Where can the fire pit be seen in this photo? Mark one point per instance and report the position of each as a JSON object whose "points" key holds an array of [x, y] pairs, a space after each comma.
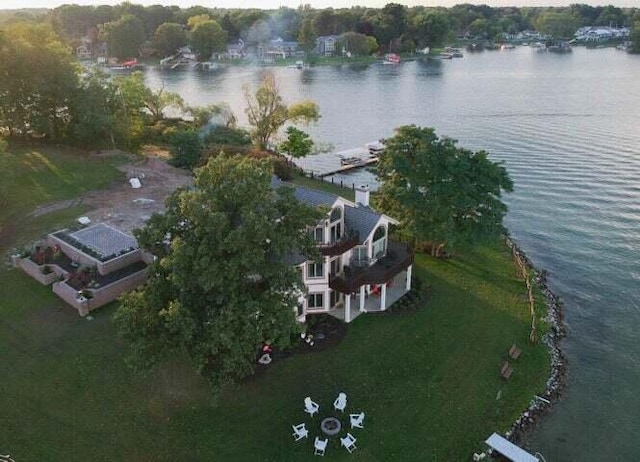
{"points": [[330, 426]]}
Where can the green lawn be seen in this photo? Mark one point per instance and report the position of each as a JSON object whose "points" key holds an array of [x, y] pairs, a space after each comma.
{"points": [[38, 175], [428, 381]]}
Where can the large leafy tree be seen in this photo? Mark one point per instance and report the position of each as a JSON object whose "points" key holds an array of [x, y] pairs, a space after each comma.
{"points": [[168, 38], [98, 118], [557, 24], [441, 192], [306, 36], [142, 101], [267, 113], [124, 36], [357, 44], [206, 37], [37, 81], [221, 285], [298, 143]]}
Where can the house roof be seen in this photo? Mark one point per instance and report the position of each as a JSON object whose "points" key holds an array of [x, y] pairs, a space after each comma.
{"points": [[312, 197], [358, 218], [105, 239], [361, 219]]}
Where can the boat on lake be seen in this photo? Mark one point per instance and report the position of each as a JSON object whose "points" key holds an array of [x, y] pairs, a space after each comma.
{"points": [[391, 58], [375, 148], [355, 161]]}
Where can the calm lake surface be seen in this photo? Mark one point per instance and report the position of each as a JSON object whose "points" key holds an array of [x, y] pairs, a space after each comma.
{"points": [[567, 128]]}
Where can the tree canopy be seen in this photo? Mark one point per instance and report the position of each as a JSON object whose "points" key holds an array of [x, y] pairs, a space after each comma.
{"points": [[440, 192], [206, 37], [125, 36], [267, 113], [221, 285], [38, 81], [168, 37]]}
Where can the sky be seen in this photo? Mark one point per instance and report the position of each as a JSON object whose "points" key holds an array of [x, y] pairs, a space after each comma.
{"points": [[272, 4]]}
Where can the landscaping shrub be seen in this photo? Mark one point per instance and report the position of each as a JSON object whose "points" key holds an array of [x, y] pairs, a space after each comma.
{"points": [[283, 169]]}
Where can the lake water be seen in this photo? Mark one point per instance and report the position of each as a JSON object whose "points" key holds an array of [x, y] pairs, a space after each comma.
{"points": [[567, 128]]}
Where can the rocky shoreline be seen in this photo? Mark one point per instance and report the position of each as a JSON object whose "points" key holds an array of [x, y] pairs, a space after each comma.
{"points": [[540, 405]]}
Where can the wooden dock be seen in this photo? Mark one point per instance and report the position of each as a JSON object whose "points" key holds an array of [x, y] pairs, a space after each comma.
{"points": [[348, 167]]}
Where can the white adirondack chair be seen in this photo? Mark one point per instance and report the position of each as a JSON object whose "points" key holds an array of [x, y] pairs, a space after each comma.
{"points": [[300, 431], [356, 420], [320, 446], [349, 442], [341, 402], [310, 407]]}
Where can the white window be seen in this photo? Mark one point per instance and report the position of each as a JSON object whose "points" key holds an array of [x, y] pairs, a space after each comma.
{"points": [[315, 301], [334, 298], [379, 242], [315, 270], [335, 267], [335, 232], [359, 255], [318, 234]]}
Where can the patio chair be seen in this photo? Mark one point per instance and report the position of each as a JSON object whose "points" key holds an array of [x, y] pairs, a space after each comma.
{"points": [[341, 402], [310, 407], [349, 442], [506, 370], [320, 446], [300, 431], [356, 420], [514, 352]]}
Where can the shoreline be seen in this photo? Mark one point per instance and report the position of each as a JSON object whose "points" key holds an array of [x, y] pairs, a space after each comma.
{"points": [[556, 382]]}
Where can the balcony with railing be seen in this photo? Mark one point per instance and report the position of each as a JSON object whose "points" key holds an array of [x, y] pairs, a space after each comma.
{"points": [[398, 258], [346, 242]]}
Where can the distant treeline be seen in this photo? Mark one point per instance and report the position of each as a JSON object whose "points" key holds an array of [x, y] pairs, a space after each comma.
{"points": [[129, 28]]}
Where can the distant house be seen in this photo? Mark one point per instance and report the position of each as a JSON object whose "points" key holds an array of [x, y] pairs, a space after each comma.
{"points": [[234, 51], [326, 45], [600, 34], [83, 52], [360, 269]]}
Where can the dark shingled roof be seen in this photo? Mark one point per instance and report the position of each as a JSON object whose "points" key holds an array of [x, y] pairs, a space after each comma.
{"points": [[311, 197], [362, 220]]}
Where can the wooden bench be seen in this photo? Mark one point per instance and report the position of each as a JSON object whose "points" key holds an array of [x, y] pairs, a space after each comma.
{"points": [[514, 352], [506, 370]]}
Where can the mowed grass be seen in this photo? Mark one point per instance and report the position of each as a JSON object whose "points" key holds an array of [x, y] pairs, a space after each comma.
{"points": [[41, 174], [428, 380]]}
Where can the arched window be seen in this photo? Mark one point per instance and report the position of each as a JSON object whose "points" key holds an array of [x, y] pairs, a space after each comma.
{"points": [[379, 242], [336, 228], [336, 214]]}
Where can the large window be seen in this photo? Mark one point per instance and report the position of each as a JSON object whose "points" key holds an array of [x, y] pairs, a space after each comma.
{"points": [[318, 234], [334, 298], [335, 232], [336, 214], [315, 270], [360, 256], [335, 267], [379, 242], [315, 301]]}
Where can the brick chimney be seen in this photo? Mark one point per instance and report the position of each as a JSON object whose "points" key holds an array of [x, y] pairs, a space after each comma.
{"points": [[362, 195]]}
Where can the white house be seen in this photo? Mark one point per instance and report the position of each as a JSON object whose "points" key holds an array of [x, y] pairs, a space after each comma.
{"points": [[360, 269]]}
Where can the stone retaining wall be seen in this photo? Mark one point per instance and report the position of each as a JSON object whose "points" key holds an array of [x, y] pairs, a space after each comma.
{"points": [[555, 317], [101, 295], [36, 271]]}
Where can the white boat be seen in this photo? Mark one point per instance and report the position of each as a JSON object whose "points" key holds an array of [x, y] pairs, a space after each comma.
{"points": [[296, 65], [209, 66], [351, 160], [375, 147]]}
